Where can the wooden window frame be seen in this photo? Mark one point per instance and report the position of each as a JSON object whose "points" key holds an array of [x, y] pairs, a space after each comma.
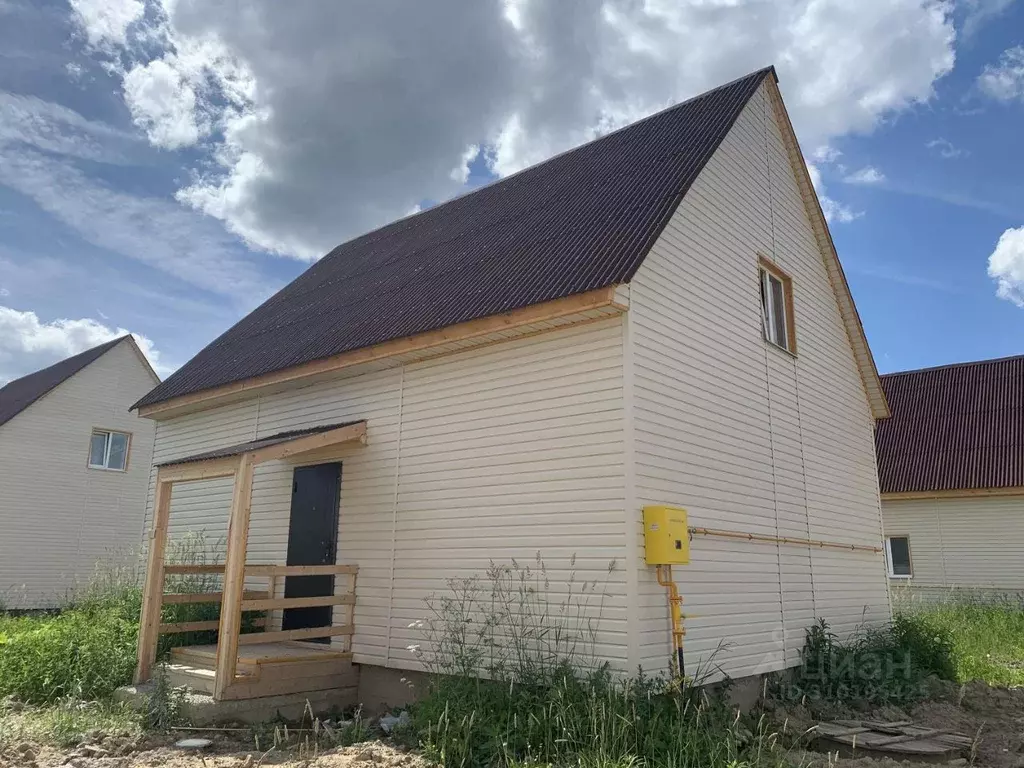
{"points": [[127, 449], [767, 266], [888, 556]]}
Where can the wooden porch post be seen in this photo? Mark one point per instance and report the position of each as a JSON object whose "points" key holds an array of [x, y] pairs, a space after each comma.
{"points": [[153, 591], [234, 578]]}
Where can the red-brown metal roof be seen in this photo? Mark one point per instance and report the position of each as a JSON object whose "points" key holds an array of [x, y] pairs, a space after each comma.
{"points": [[953, 427], [582, 220]]}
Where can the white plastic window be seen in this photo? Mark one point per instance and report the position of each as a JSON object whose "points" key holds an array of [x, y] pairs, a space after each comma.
{"points": [[773, 307], [897, 553], [108, 450]]}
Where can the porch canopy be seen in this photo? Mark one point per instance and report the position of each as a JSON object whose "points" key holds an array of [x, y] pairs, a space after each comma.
{"points": [[236, 461]]}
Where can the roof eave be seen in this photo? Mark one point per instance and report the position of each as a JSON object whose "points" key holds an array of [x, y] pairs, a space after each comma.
{"points": [[536, 318]]}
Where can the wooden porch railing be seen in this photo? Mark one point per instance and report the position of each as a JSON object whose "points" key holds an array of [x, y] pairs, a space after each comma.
{"points": [[253, 600], [234, 599]]}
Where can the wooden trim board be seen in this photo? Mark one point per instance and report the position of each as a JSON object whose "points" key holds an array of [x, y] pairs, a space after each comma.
{"points": [[198, 470], [955, 493], [536, 313], [300, 570], [296, 602], [314, 442], [840, 287], [152, 592], [180, 598], [234, 578], [294, 634]]}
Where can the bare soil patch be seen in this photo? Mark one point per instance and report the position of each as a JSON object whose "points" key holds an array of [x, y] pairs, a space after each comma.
{"points": [[225, 752], [993, 716]]}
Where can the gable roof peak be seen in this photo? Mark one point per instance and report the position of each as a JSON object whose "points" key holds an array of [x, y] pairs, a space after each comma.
{"points": [[579, 221], [18, 394]]}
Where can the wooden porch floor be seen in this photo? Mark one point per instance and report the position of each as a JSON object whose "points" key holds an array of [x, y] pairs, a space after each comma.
{"points": [[265, 669]]}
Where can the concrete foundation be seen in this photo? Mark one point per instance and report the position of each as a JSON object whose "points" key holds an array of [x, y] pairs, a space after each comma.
{"points": [[379, 690], [382, 689]]}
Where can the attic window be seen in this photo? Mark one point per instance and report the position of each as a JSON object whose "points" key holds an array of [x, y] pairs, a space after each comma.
{"points": [[108, 450], [777, 306]]}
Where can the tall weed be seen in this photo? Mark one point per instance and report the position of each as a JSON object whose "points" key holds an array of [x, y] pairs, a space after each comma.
{"points": [[516, 682], [889, 664]]}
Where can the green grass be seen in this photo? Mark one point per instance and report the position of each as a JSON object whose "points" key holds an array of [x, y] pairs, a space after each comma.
{"points": [[83, 653], [987, 637], [88, 649]]}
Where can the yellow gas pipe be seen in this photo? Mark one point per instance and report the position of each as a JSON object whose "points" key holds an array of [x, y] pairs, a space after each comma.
{"points": [[675, 606]]}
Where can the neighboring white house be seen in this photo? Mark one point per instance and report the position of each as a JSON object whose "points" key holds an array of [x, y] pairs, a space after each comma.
{"points": [[74, 464], [657, 317], [951, 467]]}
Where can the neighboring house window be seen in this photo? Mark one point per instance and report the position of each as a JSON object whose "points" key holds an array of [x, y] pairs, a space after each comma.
{"points": [[897, 552], [777, 306], [108, 450]]}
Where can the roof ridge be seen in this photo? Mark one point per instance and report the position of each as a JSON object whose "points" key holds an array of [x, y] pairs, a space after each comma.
{"points": [[964, 364], [570, 150]]}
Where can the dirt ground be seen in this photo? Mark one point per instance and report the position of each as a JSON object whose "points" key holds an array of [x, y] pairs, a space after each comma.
{"points": [[993, 716], [223, 753]]}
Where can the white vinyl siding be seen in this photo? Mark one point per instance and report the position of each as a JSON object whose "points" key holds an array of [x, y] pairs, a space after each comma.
{"points": [[960, 543], [743, 435], [58, 517], [490, 454]]}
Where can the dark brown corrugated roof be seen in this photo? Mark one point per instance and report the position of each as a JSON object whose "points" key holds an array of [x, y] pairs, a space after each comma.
{"points": [[953, 427], [263, 442], [579, 221], [17, 395]]}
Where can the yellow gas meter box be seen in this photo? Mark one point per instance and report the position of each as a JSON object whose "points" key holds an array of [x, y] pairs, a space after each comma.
{"points": [[666, 536]]}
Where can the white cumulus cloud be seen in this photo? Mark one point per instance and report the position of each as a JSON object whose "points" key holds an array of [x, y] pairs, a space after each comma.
{"points": [[326, 119], [1004, 81], [867, 175], [163, 103], [28, 343], [1006, 266], [107, 21]]}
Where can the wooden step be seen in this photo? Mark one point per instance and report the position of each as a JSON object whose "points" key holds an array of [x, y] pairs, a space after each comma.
{"points": [[195, 678], [266, 669]]}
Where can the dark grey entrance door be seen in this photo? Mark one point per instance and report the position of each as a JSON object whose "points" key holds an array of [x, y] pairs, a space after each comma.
{"points": [[312, 540]]}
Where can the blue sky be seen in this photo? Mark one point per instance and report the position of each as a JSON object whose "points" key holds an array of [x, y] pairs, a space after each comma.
{"points": [[165, 166]]}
